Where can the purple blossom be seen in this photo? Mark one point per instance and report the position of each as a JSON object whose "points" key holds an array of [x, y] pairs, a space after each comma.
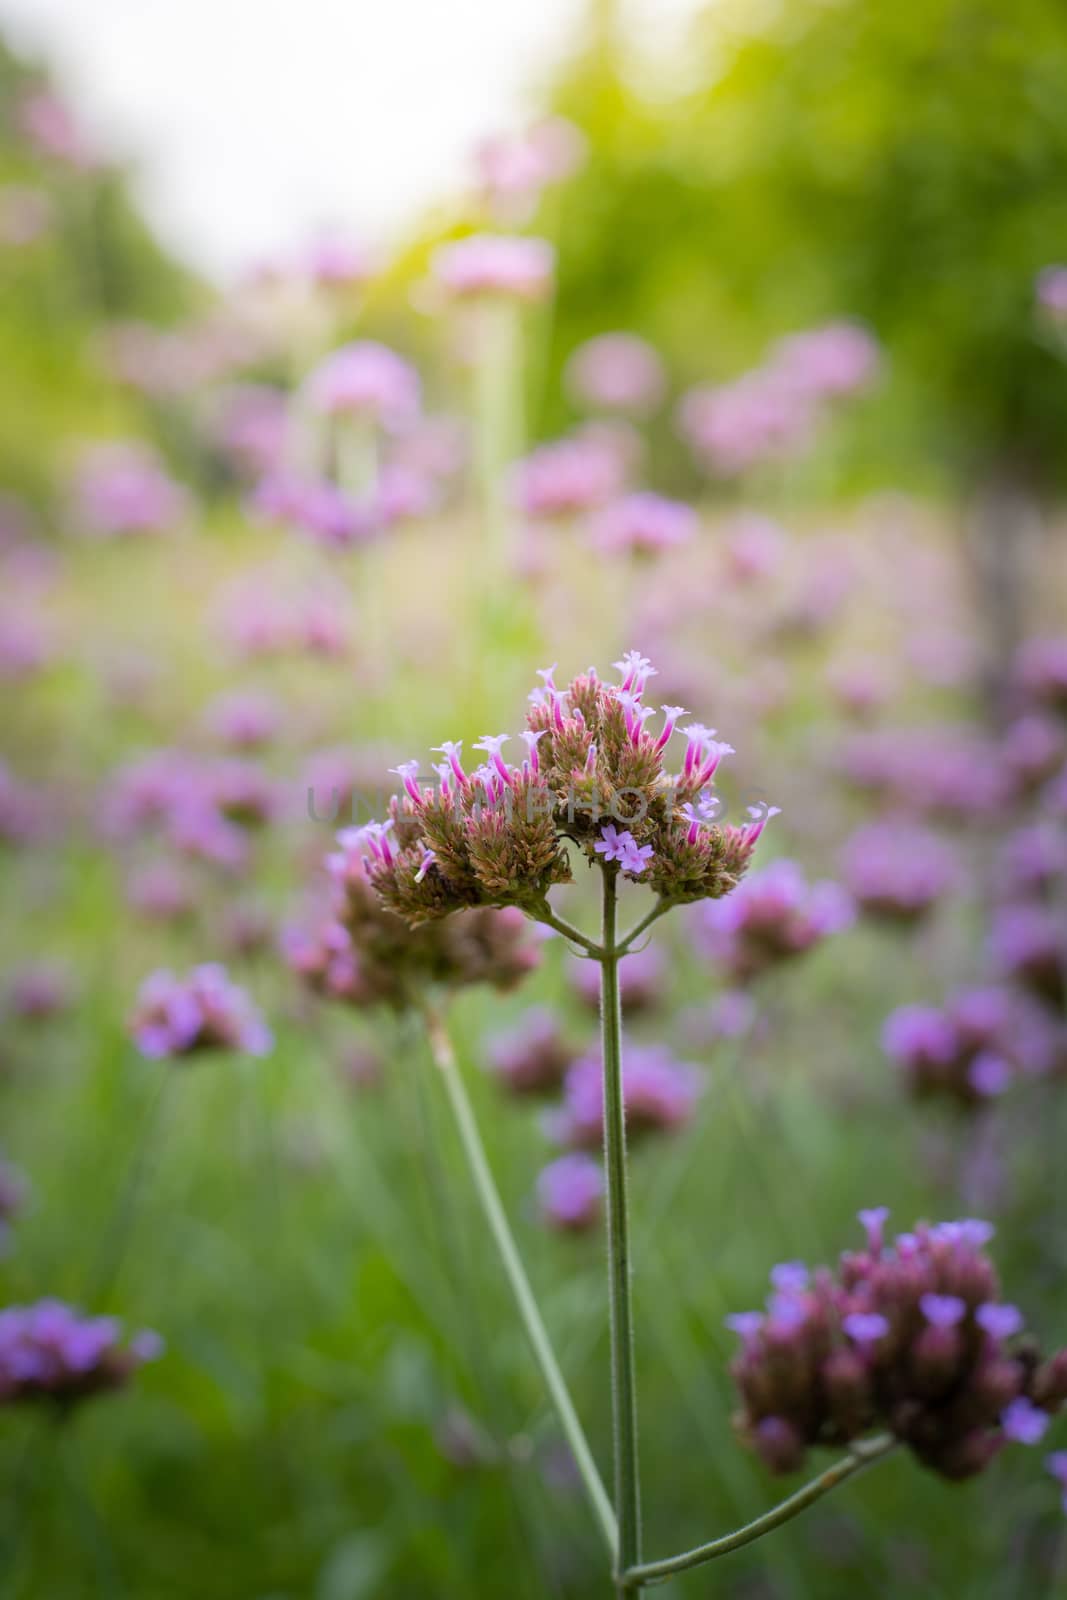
{"points": [[897, 871], [533, 1058], [51, 1351], [121, 488], [885, 1341], [998, 1320], [1024, 1422], [865, 1327], [616, 372], [368, 381], [501, 265], [943, 1310], [568, 477], [772, 916], [643, 524], [204, 1011], [659, 1094], [570, 1191]]}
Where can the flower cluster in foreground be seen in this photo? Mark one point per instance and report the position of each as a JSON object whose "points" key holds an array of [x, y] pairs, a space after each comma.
{"points": [[593, 773], [51, 1351], [911, 1336]]}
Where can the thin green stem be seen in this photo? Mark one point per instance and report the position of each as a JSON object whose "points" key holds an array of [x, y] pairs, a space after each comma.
{"points": [[545, 914], [623, 1381], [489, 1196], [863, 1454], [660, 909]]}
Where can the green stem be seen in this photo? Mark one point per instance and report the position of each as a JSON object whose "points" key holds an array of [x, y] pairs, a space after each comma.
{"points": [[445, 1059], [545, 914], [660, 909], [623, 1382], [863, 1454]]}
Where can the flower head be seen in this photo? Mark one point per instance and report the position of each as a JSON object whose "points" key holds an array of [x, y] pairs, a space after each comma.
{"points": [[204, 1011]]}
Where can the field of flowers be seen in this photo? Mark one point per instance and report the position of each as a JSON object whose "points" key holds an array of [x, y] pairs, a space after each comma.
{"points": [[368, 752]]}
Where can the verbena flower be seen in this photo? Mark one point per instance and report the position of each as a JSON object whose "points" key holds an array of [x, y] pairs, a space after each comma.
{"points": [[616, 372], [898, 871], [570, 1192], [774, 914], [1028, 944], [972, 1049], [590, 770], [643, 524], [204, 1011], [367, 381], [121, 488], [910, 1336], [534, 1057], [569, 477], [52, 1352], [38, 990], [499, 265]]}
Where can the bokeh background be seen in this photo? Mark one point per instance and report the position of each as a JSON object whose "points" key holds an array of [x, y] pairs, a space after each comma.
{"points": [[867, 600]]}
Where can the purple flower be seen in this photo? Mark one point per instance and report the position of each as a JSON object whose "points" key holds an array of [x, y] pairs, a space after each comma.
{"points": [[1024, 1422], [534, 1057], [204, 1011], [568, 477], [999, 1321], [865, 1327], [612, 844], [616, 372], [659, 1094], [772, 916], [495, 264], [570, 1191], [643, 524], [885, 1341], [897, 871], [366, 380], [943, 1310], [121, 488], [51, 1351], [873, 1220], [746, 1324]]}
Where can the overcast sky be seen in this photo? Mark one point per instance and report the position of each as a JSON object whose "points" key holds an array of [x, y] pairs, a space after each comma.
{"points": [[255, 122]]}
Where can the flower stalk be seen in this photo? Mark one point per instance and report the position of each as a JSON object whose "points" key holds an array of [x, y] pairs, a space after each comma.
{"points": [[623, 1378], [489, 1198], [864, 1453]]}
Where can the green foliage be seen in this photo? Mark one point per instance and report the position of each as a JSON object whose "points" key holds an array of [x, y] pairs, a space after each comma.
{"points": [[902, 164]]}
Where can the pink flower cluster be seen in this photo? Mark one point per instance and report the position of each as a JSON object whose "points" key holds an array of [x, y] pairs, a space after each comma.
{"points": [[201, 1012], [123, 489], [971, 1049], [911, 1336], [772, 412], [52, 1352], [772, 916]]}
